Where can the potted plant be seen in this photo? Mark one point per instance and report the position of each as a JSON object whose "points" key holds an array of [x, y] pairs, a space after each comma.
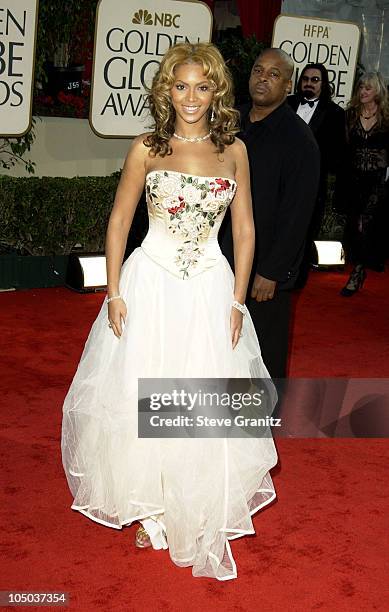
{"points": [[63, 29]]}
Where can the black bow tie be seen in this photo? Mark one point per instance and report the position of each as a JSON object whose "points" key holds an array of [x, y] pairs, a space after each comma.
{"points": [[310, 102]]}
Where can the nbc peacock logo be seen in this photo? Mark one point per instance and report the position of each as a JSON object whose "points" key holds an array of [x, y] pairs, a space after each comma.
{"points": [[143, 16], [167, 20]]}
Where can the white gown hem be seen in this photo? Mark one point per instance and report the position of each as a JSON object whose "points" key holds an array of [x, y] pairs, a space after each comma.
{"points": [[237, 533], [240, 533], [126, 523]]}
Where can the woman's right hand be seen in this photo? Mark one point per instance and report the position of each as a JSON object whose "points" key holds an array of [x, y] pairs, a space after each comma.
{"points": [[117, 312]]}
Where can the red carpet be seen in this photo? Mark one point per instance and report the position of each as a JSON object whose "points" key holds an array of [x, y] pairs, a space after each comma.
{"points": [[321, 546], [337, 336]]}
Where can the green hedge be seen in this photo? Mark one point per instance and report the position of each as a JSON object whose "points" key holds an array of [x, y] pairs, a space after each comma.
{"points": [[50, 215]]}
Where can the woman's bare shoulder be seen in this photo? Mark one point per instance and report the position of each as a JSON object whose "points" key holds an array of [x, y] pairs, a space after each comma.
{"points": [[138, 149], [138, 153], [138, 142], [238, 147], [237, 151]]}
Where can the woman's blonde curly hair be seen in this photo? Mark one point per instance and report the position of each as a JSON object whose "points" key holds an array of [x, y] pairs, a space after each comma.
{"points": [[223, 127]]}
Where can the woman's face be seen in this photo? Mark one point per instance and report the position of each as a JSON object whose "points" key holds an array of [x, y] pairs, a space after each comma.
{"points": [[367, 93], [191, 94]]}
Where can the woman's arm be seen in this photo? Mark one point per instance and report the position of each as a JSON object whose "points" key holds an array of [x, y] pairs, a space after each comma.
{"points": [[243, 232], [243, 235], [127, 196]]}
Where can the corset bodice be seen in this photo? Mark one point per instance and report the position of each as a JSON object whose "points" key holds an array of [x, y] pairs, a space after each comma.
{"points": [[185, 213]]}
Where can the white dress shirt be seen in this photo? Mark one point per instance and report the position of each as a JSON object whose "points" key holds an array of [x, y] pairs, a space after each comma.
{"points": [[305, 111]]}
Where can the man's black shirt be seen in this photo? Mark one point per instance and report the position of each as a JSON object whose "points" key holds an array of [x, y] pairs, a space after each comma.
{"points": [[284, 164]]}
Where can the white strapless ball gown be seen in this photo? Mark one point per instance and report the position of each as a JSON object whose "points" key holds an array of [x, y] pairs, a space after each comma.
{"points": [[197, 493]]}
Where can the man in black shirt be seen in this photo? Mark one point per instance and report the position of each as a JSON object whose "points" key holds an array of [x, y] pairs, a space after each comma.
{"points": [[284, 163], [327, 120]]}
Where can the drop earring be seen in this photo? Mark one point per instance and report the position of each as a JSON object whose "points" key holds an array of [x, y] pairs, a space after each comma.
{"points": [[212, 119]]}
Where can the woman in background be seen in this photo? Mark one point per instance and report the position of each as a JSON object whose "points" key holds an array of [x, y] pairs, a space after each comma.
{"points": [[367, 162]]}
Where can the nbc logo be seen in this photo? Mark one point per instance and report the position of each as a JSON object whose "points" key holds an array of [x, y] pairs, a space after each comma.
{"points": [[164, 19], [143, 16]]}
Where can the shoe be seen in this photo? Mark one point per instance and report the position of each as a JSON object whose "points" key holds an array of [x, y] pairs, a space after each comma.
{"points": [[355, 281], [142, 538], [155, 532]]}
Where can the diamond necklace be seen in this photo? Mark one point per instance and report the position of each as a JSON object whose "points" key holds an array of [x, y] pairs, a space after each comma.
{"points": [[195, 139]]}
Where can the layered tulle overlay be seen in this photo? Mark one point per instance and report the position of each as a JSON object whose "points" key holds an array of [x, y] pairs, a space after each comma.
{"points": [[197, 493]]}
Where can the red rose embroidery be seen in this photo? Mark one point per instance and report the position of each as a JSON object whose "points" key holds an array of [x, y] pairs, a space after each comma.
{"points": [[222, 185], [175, 209]]}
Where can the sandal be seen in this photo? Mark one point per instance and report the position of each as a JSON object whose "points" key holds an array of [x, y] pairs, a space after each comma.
{"points": [[142, 538]]}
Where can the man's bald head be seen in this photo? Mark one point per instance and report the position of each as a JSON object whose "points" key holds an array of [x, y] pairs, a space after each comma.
{"points": [[285, 59]]}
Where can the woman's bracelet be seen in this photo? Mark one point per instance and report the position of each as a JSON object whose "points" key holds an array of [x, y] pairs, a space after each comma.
{"points": [[241, 307], [114, 297]]}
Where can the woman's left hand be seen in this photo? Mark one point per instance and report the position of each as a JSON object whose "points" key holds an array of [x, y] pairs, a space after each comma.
{"points": [[236, 323]]}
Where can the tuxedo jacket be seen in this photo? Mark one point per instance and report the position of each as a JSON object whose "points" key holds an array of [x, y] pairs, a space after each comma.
{"points": [[328, 124], [284, 167]]}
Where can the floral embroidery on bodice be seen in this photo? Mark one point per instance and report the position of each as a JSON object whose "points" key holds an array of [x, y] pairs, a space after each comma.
{"points": [[185, 214]]}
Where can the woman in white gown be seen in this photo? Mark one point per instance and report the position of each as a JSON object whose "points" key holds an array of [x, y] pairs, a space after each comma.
{"points": [[173, 310]]}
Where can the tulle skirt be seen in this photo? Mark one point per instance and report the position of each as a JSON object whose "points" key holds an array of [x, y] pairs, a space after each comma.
{"points": [[197, 493]]}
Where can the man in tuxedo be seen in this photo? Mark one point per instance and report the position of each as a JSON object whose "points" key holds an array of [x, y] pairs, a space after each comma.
{"points": [[284, 164], [313, 104]]}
